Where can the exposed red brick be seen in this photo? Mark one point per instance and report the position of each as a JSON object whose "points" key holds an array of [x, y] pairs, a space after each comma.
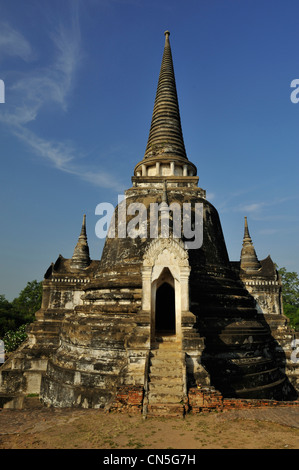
{"points": [[204, 400]]}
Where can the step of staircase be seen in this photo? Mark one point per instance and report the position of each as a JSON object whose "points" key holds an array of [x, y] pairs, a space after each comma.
{"points": [[168, 360], [165, 397], [166, 388], [166, 409], [166, 379], [169, 372]]}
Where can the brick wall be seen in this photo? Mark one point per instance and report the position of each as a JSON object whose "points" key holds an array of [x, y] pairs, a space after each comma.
{"points": [[204, 399], [128, 399]]}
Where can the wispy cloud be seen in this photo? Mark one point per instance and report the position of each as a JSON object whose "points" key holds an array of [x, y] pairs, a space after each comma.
{"points": [[63, 156], [13, 43], [42, 85], [67, 40], [46, 85], [270, 231], [256, 208], [59, 153], [240, 201], [250, 208], [210, 196]]}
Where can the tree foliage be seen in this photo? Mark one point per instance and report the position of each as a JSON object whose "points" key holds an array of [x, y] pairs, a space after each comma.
{"points": [[290, 296], [28, 301], [21, 310], [7, 317]]}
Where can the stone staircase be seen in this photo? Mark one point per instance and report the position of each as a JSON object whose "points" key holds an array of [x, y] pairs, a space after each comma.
{"points": [[166, 388]]}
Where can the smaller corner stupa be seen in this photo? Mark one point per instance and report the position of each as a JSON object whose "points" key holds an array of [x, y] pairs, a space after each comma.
{"points": [[80, 258], [260, 277], [249, 261]]}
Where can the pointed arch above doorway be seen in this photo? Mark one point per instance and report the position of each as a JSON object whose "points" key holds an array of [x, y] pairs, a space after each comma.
{"points": [[165, 274]]}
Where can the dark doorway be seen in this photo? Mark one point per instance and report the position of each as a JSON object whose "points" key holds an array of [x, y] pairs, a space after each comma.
{"points": [[165, 310]]}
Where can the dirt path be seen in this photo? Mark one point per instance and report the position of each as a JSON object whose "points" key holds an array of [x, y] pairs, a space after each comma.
{"points": [[46, 428]]}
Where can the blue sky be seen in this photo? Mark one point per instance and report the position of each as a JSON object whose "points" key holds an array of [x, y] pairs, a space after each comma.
{"points": [[80, 81]]}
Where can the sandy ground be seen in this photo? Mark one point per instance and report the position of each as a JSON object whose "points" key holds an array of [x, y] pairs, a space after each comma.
{"points": [[46, 428]]}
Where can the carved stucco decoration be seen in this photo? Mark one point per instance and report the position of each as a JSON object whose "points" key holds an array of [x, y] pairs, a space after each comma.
{"points": [[166, 253], [160, 248]]}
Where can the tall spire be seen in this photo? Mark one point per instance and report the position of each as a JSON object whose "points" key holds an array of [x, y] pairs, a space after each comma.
{"points": [[249, 260], [166, 137], [165, 154], [80, 258]]}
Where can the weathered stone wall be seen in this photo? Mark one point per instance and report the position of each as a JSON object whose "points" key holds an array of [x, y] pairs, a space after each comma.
{"points": [[266, 294], [98, 350], [206, 399]]}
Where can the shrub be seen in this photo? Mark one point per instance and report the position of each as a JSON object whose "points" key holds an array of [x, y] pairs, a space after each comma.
{"points": [[13, 339]]}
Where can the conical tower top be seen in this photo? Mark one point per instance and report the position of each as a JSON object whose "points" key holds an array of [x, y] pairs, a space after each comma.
{"points": [[83, 228], [246, 230], [80, 258], [166, 137], [165, 153], [249, 260]]}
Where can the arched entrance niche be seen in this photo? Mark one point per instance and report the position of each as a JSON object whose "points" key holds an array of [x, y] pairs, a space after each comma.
{"points": [[165, 305], [165, 273]]}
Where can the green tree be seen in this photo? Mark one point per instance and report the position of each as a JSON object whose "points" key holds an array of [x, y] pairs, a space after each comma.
{"points": [[290, 289], [7, 316], [290, 296], [29, 301], [21, 310]]}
